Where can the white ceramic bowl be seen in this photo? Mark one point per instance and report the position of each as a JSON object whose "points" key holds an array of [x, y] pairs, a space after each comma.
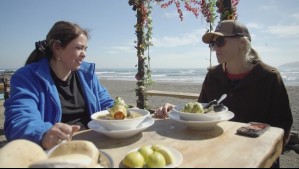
{"points": [[202, 125], [125, 124], [211, 116], [120, 134]]}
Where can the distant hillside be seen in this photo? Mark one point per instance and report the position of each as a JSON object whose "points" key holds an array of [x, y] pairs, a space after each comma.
{"points": [[293, 64]]}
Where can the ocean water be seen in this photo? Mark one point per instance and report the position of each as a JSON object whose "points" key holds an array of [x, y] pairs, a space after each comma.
{"points": [[290, 75], [158, 75]]}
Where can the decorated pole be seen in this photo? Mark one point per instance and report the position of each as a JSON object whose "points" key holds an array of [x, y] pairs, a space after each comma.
{"points": [[140, 91], [227, 9], [138, 6]]}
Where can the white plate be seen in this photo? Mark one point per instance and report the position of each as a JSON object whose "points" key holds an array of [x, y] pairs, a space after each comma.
{"points": [[149, 121], [176, 154], [202, 125]]}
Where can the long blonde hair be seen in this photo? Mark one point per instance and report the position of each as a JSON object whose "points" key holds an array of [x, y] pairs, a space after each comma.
{"points": [[249, 53]]}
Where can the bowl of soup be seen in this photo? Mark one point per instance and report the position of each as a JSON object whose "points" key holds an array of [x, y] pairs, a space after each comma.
{"points": [[203, 115], [134, 118]]}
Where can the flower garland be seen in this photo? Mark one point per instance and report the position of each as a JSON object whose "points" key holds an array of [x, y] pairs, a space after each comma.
{"points": [[208, 10], [143, 29], [147, 43], [146, 25], [226, 8], [190, 5]]}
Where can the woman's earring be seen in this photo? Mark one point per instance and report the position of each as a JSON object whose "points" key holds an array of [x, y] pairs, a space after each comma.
{"points": [[59, 59]]}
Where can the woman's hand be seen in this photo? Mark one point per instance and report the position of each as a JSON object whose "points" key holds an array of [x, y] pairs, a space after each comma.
{"points": [[58, 133], [163, 111]]}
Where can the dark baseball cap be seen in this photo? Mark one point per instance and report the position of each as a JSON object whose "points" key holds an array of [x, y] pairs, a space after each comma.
{"points": [[227, 28]]}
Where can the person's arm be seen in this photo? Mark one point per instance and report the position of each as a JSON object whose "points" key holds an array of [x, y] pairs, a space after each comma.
{"points": [[163, 111], [105, 99], [23, 120], [280, 110], [58, 133]]}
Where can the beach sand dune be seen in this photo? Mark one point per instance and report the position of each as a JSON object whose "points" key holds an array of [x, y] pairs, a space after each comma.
{"points": [[289, 159]]}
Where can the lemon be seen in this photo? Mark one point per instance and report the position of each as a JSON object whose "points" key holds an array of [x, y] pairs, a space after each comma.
{"points": [[169, 158], [134, 160], [146, 151], [155, 160]]}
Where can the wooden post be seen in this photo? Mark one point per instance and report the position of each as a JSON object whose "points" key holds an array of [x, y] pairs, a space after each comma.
{"points": [[6, 81]]}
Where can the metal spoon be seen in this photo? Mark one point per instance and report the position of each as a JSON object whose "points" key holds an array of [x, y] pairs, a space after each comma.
{"points": [[215, 101], [222, 98], [210, 104], [129, 114]]}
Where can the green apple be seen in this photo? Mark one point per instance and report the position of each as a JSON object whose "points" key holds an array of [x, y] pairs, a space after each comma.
{"points": [[134, 160], [145, 151], [155, 160]]}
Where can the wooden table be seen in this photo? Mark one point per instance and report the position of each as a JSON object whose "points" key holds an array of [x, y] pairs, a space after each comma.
{"points": [[219, 147]]}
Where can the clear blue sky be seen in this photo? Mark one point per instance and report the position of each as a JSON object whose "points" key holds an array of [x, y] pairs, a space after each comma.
{"points": [[274, 26]]}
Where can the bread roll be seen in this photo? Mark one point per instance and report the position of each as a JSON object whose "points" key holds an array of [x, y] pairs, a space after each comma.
{"points": [[77, 147], [21, 154], [65, 161]]}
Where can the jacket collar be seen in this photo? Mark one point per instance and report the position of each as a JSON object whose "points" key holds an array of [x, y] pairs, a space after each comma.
{"points": [[43, 69], [259, 71]]}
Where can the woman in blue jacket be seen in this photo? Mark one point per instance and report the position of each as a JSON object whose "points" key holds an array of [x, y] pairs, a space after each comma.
{"points": [[55, 93]]}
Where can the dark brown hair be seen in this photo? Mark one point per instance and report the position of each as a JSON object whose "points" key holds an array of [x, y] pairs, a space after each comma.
{"points": [[62, 31]]}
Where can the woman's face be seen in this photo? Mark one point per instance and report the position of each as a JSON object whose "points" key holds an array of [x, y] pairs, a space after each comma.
{"points": [[72, 56], [229, 51]]}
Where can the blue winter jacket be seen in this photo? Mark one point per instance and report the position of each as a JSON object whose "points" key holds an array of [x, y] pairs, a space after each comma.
{"points": [[34, 104]]}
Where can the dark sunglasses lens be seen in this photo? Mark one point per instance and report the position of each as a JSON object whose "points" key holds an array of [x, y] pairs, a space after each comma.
{"points": [[220, 41], [212, 44]]}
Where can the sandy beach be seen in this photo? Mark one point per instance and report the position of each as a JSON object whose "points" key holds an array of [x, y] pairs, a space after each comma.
{"points": [[289, 159]]}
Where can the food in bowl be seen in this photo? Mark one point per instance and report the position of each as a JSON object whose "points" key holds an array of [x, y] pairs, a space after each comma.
{"points": [[193, 107], [131, 115], [119, 109], [120, 117], [195, 111], [104, 119]]}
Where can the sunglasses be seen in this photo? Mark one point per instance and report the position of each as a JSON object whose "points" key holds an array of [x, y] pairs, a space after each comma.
{"points": [[220, 42]]}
